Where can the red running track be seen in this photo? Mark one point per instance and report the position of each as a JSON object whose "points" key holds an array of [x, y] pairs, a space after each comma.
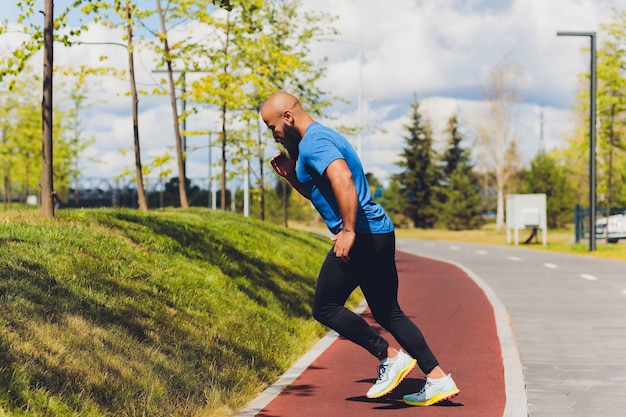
{"points": [[458, 323]]}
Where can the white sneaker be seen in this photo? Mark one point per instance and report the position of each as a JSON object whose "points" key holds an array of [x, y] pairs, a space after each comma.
{"points": [[432, 393], [391, 373]]}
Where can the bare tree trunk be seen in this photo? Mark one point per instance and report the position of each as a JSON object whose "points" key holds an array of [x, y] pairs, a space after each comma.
{"points": [[47, 188], [141, 194], [224, 110], [223, 175], [182, 184], [500, 209], [497, 136], [7, 177], [261, 174], [285, 207], [7, 192]]}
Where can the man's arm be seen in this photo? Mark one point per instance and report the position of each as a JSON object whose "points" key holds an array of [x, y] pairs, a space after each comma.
{"points": [[343, 187]]}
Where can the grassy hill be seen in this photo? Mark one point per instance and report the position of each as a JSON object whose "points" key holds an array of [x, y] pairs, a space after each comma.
{"points": [[171, 313]]}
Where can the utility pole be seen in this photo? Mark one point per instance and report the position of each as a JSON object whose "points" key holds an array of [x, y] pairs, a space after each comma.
{"points": [[592, 135]]}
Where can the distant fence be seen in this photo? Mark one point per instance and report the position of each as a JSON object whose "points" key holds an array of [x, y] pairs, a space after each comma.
{"points": [[581, 220], [106, 192], [99, 192]]}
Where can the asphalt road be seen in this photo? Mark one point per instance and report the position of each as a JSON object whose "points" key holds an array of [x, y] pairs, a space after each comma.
{"points": [[568, 319]]}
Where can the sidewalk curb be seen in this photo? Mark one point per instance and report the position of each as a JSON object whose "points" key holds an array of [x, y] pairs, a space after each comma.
{"points": [[271, 392]]}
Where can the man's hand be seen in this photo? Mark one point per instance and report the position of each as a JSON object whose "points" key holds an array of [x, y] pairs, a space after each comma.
{"points": [[344, 241], [283, 165]]}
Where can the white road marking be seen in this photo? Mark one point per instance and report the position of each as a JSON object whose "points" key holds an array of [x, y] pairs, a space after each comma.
{"points": [[623, 291], [481, 252], [515, 258], [551, 266], [589, 277], [454, 247]]}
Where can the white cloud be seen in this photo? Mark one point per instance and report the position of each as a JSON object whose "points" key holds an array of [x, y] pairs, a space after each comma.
{"points": [[440, 50]]}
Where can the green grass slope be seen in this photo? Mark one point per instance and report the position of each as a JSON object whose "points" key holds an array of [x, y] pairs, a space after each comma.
{"points": [[169, 313]]}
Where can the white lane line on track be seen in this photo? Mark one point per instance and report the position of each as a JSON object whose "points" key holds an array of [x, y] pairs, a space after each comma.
{"points": [[514, 258], [588, 277], [551, 266], [481, 252], [454, 247], [623, 291]]}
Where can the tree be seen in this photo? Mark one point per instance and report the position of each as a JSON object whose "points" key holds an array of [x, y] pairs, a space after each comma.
{"points": [[69, 140], [496, 132], [393, 202], [419, 177], [42, 37], [21, 127], [167, 57], [47, 186], [459, 204], [8, 145], [259, 48], [546, 176], [129, 12], [610, 111], [277, 54], [20, 123]]}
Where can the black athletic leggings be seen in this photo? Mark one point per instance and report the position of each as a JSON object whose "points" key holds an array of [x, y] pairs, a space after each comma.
{"points": [[372, 266]]}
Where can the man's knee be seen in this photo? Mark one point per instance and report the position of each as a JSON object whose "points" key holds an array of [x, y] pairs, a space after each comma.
{"points": [[318, 314], [324, 314]]}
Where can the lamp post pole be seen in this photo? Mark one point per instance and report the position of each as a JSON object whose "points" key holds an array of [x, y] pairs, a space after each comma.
{"points": [[592, 135]]}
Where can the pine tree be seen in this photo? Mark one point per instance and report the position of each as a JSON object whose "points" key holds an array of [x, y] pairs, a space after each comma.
{"points": [[459, 204], [419, 176]]}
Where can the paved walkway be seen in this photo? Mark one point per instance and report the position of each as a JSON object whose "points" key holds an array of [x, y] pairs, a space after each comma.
{"points": [[568, 315], [463, 327]]}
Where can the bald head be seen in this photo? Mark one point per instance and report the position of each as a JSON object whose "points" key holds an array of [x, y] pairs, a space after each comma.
{"points": [[279, 102], [283, 108]]}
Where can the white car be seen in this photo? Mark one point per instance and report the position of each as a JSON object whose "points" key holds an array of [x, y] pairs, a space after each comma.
{"points": [[616, 227]]}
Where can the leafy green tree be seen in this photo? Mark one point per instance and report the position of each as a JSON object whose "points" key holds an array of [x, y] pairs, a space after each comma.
{"points": [[8, 145], [547, 176], [20, 124], [610, 113], [393, 202], [459, 204], [42, 36], [276, 48], [257, 49], [464, 203], [419, 175], [610, 123], [70, 142], [21, 129]]}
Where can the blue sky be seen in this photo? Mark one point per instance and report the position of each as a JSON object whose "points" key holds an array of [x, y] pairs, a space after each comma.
{"points": [[439, 50]]}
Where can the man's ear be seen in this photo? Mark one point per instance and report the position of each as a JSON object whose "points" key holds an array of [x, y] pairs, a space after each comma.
{"points": [[288, 116]]}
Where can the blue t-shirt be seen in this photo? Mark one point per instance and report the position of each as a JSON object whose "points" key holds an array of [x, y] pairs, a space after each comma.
{"points": [[319, 147]]}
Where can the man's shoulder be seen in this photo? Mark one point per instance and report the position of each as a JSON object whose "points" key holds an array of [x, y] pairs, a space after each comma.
{"points": [[317, 131]]}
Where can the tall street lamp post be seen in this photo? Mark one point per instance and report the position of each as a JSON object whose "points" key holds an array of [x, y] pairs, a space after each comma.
{"points": [[592, 136]]}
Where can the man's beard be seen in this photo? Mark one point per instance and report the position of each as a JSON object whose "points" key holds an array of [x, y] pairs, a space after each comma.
{"points": [[292, 140]]}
